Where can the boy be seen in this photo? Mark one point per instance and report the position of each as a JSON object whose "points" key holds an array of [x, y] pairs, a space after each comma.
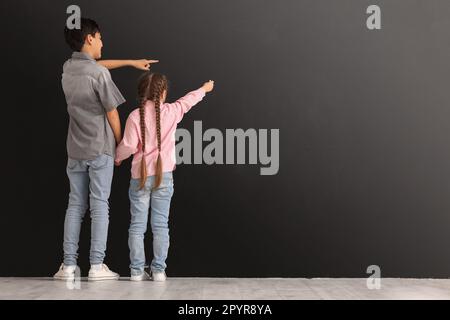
{"points": [[94, 130]]}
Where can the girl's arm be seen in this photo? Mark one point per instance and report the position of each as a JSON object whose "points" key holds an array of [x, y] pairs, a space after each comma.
{"points": [[129, 143], [142, 64], [184, 104]]}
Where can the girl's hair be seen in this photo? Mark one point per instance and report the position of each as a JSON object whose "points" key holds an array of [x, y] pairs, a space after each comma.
{"points": [[151, 87]]}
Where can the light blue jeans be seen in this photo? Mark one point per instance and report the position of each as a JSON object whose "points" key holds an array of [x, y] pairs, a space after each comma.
{"points": [[90, 181], [140, 202]]}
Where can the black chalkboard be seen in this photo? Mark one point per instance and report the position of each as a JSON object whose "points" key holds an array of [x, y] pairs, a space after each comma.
{"points": [[363, 122]]}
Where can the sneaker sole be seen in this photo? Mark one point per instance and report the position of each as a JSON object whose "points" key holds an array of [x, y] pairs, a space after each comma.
{"points": [[139, 279], [64, 278], [159, 280], [102, 278]]}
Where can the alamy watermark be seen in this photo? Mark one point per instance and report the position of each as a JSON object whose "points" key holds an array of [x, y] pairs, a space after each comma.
{"points": [[236, 146], [74, 281], [74, 20], [373, 22], [374, 281]]}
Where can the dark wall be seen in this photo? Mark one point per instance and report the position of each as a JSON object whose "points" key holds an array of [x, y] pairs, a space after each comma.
{"points": [[364, 121]]}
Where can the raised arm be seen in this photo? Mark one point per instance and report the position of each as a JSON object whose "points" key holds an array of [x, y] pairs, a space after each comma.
{"points": [[184, 104], [142, 64]]}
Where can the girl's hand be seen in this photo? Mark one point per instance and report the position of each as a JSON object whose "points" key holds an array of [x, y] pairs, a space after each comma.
{"points": [[208, 86], [117, 163], [143, 64]]}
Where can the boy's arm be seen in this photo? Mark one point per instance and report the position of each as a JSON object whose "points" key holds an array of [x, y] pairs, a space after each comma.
{"points": [[142, 64], [110, 98], [114, 122]]}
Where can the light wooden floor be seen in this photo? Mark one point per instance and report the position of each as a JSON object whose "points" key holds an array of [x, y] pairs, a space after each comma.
{"points": [[226, 288]]}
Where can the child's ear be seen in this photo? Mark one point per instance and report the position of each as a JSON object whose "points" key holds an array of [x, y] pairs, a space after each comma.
{"points": [[89, 39]]}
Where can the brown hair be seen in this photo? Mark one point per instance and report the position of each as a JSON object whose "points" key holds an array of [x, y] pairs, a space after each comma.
{"points": [[151, 87]]}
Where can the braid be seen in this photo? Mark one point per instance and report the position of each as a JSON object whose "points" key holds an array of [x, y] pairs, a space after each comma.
{"points": [[143, 179], [157, 93], [143, 94], [158, 123], [142, 121], [151, 87]]}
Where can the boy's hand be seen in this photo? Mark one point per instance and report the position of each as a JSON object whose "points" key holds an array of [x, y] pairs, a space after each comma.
{"points": [[208, 86], [117, 163], [143, 64]]}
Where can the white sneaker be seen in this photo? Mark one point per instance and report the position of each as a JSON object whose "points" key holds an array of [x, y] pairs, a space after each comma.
{"points": [[143, 276], [101, 272], [65, 272], [159, 276]]}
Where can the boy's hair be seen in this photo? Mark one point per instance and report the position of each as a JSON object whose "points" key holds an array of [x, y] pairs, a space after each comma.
{"points": [[151, 87], [75, 37]]}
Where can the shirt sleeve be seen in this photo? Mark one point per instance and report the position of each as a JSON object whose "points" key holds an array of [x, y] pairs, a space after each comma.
{"points": [[184, 104], [130, 142], [107, 91]]}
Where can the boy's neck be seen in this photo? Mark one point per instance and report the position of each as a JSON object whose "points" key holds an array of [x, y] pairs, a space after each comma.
{"points": [[87, 51]]}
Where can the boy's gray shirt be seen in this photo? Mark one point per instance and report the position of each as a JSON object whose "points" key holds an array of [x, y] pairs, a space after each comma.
{"points": [[90, 93]]}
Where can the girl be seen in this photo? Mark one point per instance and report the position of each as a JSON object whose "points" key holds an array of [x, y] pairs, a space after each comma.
{"points": [[150, 136]]}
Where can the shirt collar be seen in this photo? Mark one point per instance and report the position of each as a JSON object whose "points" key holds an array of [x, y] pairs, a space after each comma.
{"points": [[82, 56]]}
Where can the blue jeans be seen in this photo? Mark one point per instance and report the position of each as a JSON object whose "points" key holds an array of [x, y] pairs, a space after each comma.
{"points": [[90, 181], [140, 201]]}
